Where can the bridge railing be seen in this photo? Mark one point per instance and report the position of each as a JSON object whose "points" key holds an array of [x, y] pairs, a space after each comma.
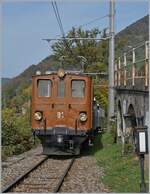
{"points": [[131, 69]]}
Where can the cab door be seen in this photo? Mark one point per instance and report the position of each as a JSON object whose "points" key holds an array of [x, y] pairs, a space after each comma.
{"points": [[79, 102], [60, 102]]}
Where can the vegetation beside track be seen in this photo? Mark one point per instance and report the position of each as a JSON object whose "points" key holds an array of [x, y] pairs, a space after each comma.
{"points": [[121, 173], [16, 133]]}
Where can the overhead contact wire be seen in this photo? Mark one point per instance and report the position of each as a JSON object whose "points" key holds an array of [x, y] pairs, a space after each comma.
{"points": [[56, 11]]}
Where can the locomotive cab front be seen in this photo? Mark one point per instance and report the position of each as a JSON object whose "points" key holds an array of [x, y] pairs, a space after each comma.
{"points": [[62, 111]]}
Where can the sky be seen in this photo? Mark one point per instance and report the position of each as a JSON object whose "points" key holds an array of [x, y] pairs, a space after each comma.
{"points": [[26, 23]]}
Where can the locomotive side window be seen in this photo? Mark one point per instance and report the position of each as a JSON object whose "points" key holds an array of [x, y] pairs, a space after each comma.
{"points": [[61, 88], [78, 88], [44, 88]]}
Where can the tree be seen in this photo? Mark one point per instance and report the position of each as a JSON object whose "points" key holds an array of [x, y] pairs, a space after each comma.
{"points": [[96, 53], [92, 50], [8, 126], [16, 132], [101, 94]]}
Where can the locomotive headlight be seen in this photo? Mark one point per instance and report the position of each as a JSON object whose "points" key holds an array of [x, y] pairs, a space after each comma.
{"points": [[61, 73], [83, 117], [59, 138], [37, 116]]}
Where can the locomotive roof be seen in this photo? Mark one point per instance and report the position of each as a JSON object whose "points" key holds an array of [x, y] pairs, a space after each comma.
{"points": [[76, 73]]}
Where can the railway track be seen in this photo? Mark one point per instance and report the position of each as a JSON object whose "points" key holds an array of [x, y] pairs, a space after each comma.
{"points": [[46, 176]]}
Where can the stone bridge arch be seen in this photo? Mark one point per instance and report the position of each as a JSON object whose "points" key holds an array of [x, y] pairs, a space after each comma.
{"points": [[132, 115], [130, 123], [132, 111]]}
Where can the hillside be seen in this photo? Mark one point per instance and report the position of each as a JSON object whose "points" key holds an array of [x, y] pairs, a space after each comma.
{"points": [[132, 35], [12, 86], [135, 33], [4, 80]]}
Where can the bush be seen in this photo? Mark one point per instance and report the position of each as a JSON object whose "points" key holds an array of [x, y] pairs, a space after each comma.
{"points": [[7, 151], [16, 133], [102, 97], [128, 148], [19, 148]]}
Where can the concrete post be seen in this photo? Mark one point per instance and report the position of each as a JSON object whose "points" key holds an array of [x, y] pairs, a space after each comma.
{"points": [[111, 59]]}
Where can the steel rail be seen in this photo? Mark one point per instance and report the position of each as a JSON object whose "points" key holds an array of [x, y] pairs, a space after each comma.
{"points": [[20, 178], [57, 188]]}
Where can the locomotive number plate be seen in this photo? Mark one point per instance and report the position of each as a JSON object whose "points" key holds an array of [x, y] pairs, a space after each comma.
{"points": [[60, 115]]}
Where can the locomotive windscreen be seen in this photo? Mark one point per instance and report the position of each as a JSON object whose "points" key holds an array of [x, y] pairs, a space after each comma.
{"points": [[61, 88], [78, 88], [44, 88]]}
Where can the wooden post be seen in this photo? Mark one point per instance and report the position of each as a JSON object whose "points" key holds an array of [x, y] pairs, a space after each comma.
{"points": [[146, 64], [125, 71], [119, 71], [133, 67]]}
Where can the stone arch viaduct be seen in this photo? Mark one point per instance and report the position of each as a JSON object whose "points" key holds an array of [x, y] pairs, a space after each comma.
{"points": [[131, 88]]}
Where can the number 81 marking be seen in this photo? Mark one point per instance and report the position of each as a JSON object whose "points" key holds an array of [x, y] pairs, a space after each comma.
{"points": [[60, 115]]}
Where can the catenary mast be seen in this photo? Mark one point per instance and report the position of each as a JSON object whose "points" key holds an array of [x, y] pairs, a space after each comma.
{"points": [[111, 58]]}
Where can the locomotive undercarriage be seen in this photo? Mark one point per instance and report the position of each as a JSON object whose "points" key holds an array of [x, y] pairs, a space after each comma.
{"points": [[62, 141]]}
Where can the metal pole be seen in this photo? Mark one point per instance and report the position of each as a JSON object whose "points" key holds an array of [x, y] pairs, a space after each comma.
{"points": [[111, 59], [142, 185]]}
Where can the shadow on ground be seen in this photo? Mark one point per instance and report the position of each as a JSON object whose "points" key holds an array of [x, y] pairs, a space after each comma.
{"points": [[91, 150]]}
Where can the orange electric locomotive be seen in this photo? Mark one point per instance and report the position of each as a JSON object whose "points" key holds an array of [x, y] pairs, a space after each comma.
{"points": [[63, 111]]}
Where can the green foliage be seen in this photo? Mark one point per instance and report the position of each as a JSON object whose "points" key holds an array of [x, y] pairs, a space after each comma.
{"points": [[93, 51], [121, 174], [96, 67], [12, 94], [8, 150], [23, 96], [8, 126], [120, 47], [128, 148], [16, 127], [16, 132], [101, 94]]}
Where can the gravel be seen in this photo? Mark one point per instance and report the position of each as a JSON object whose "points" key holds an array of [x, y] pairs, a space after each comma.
{"points": [[45, 178], [15, 166], [84, 175]]}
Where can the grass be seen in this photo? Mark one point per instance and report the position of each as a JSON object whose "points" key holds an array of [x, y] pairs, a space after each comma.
{"points": [[121, 173]]}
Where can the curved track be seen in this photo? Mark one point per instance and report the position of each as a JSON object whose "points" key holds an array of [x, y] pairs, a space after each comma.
{"points": [[47, 176]]}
